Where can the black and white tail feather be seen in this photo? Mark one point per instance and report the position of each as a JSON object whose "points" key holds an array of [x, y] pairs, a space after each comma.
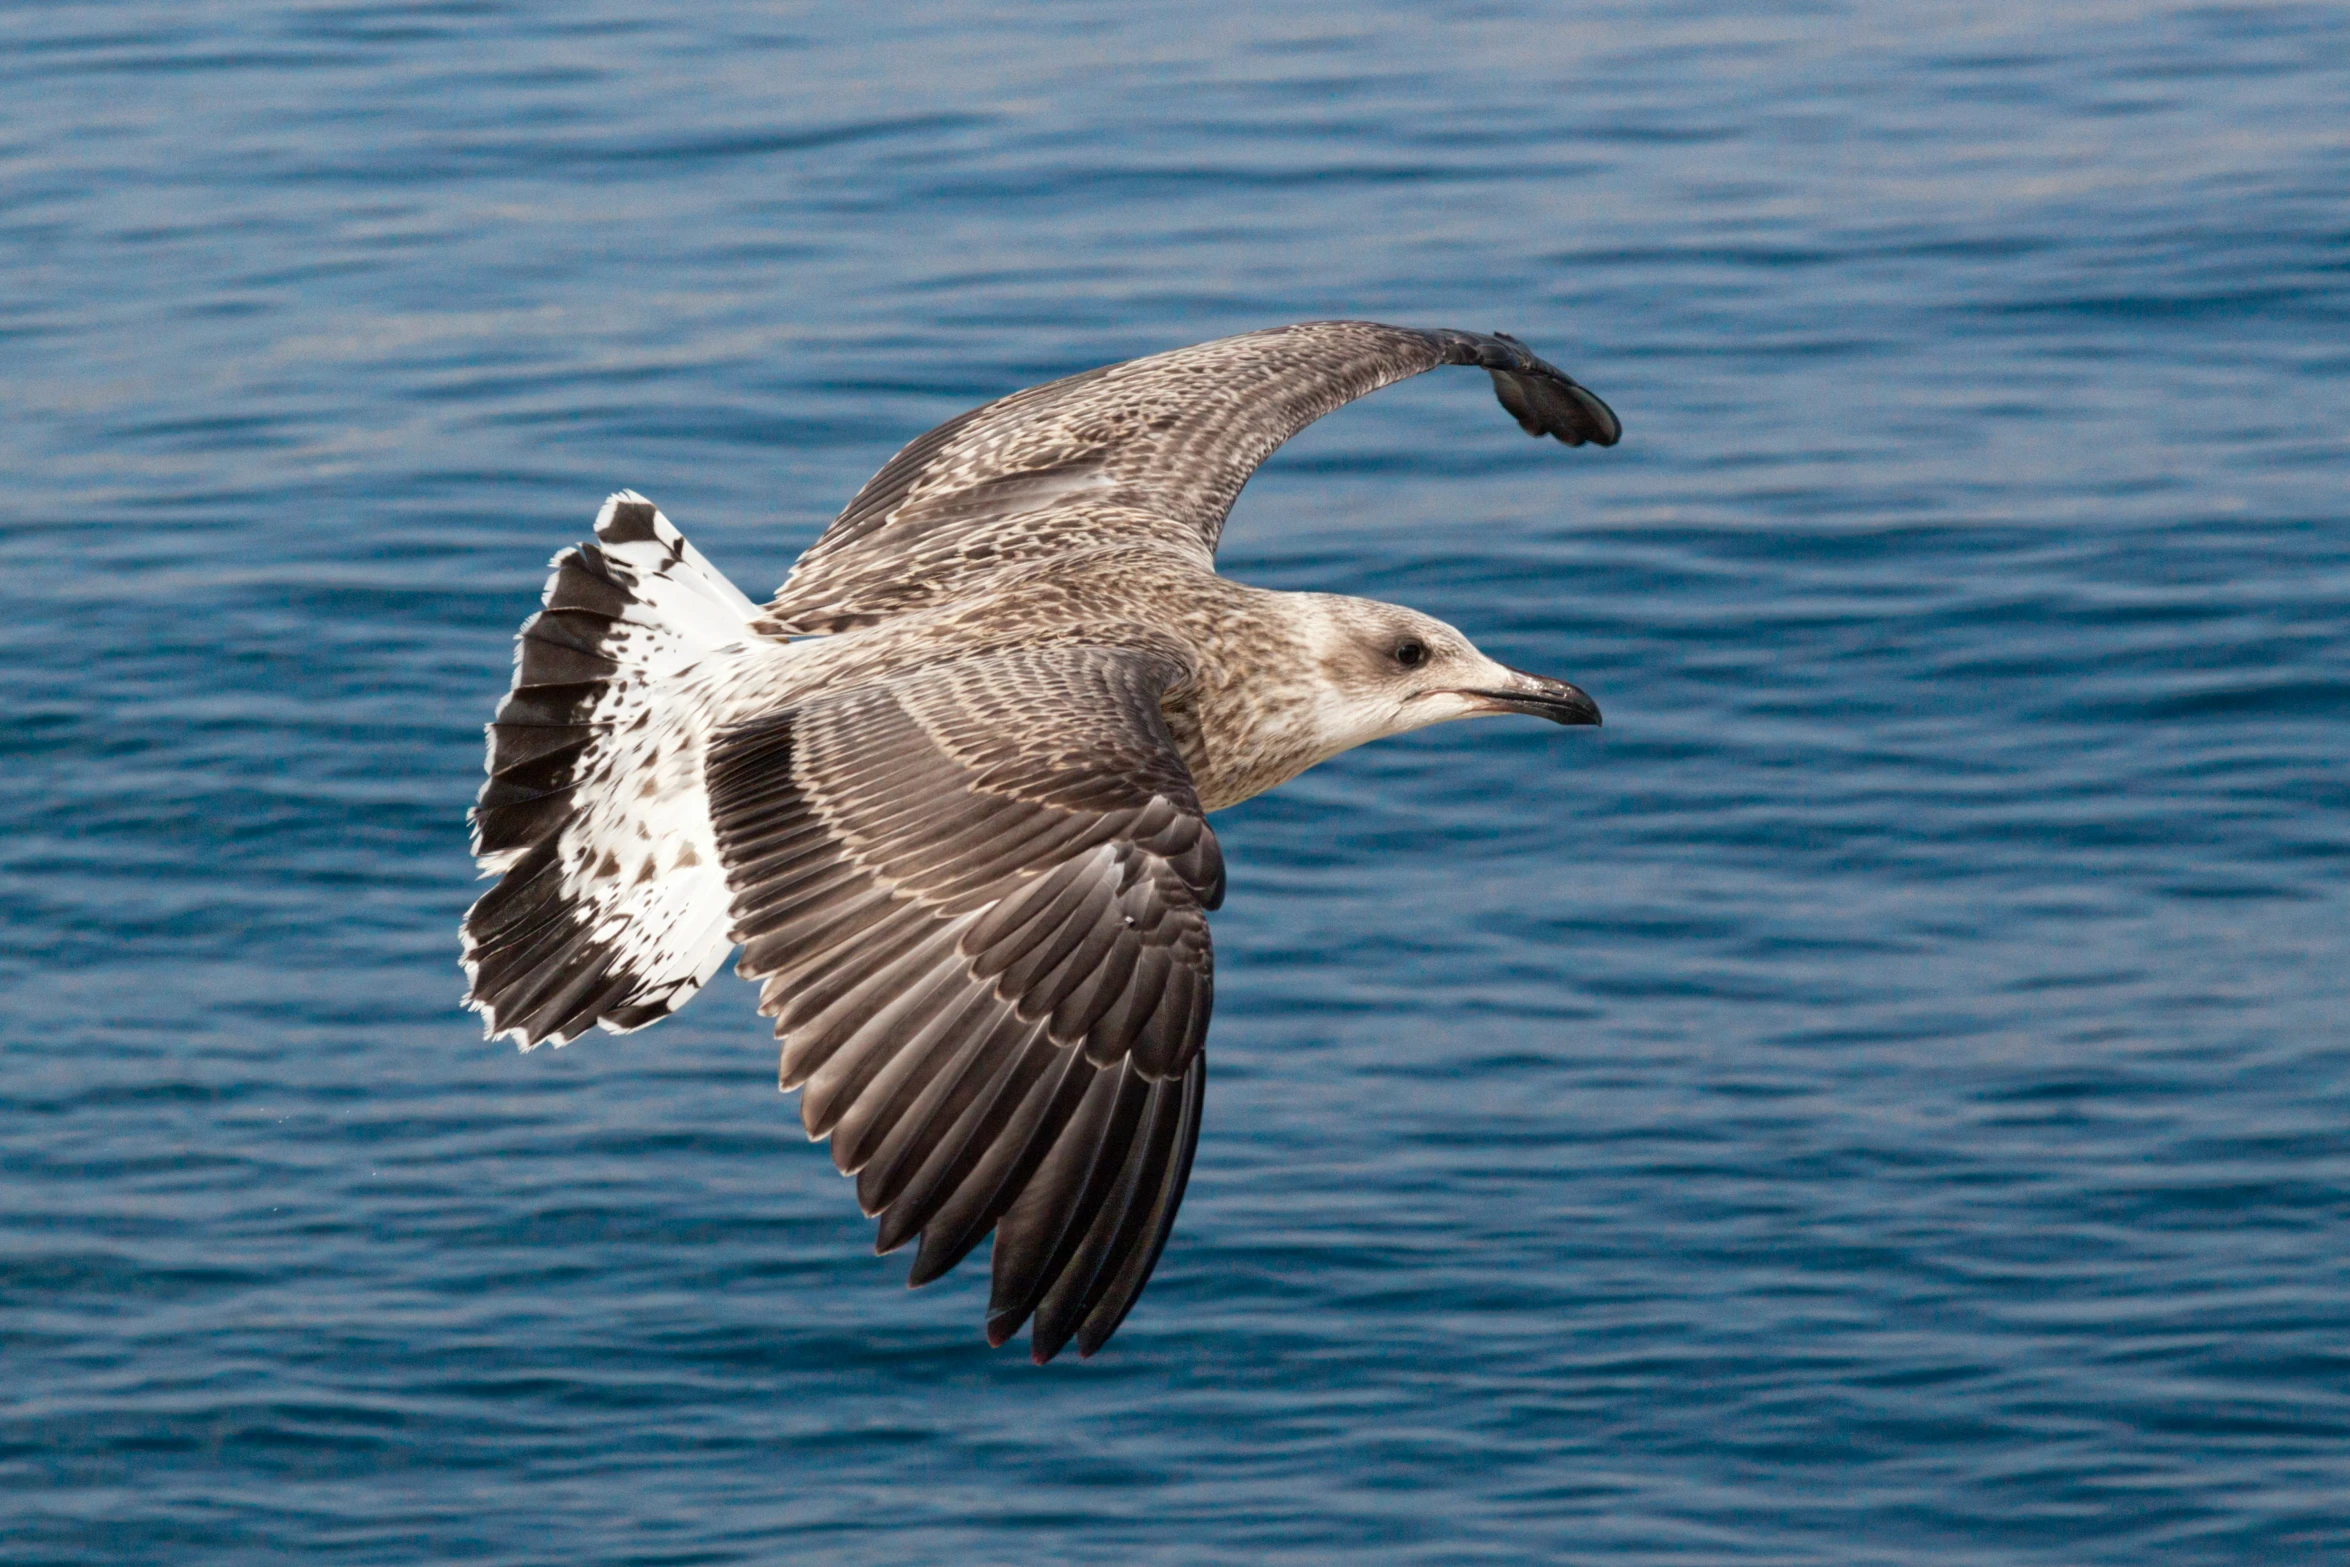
{"points": [[612, 907]]}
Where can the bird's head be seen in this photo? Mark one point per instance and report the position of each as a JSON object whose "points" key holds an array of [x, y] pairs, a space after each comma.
{"points": [[1385, 670]]}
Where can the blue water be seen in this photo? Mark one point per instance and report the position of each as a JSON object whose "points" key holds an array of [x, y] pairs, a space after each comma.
{"points": [[1884, 1099]]}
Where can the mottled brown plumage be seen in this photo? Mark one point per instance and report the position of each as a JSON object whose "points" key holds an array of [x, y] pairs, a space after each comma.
{"points": [[1154, 448], [948, 790]]}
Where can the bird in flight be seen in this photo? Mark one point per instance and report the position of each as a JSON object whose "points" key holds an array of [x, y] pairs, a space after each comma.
{"points": [[948, 791]]}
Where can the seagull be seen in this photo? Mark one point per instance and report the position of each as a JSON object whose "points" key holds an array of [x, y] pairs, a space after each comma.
{"points": [[948, 791]]}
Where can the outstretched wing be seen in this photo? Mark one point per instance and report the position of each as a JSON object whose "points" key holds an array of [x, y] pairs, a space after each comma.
{"points": [[1154, 448], [977, 898]]}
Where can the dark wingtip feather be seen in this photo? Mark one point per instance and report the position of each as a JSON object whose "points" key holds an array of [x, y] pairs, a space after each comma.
{"points": [[1607, 429], [1118, 1294], [1556, 406], [1544, 399]]}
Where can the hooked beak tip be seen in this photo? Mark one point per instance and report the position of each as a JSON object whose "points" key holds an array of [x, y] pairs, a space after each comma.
{"points": [[1542, 698]]}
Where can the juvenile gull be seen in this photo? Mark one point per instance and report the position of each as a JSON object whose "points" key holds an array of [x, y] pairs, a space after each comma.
{"points": [[948, 790]]}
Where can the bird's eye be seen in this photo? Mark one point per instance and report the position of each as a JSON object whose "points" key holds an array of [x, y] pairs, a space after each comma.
{"points": [[1411, 653]]}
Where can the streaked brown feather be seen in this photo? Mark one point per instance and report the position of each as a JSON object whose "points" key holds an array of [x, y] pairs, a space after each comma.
{"points": [[958, 932]]}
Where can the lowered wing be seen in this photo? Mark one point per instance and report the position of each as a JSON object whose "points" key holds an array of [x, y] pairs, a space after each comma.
{"points": [[976, 897]]}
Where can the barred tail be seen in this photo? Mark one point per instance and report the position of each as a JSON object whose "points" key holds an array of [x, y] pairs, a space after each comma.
{"points": [[612, 907]]}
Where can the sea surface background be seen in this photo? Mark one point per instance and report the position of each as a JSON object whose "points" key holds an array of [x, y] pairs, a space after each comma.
{"points": [[1883, 1099]]}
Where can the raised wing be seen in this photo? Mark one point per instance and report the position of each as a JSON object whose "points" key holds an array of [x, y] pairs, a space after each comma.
{"points": [[1153, 449], [977, 898]]}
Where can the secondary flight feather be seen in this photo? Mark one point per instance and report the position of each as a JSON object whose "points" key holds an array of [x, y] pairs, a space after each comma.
{"points": [[948, 790]]}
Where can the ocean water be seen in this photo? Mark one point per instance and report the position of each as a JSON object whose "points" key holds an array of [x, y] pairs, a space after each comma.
{"points": [[1883, 1099]]}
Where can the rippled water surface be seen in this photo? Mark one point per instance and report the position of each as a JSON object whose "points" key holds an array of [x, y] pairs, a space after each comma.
{"points": [[1884, 1099]]}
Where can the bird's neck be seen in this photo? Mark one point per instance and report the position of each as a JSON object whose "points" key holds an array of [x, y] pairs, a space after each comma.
{"points": [[1255, 714]]}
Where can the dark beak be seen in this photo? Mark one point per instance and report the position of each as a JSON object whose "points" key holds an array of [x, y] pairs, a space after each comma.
{"points": [[1541, 697]]}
